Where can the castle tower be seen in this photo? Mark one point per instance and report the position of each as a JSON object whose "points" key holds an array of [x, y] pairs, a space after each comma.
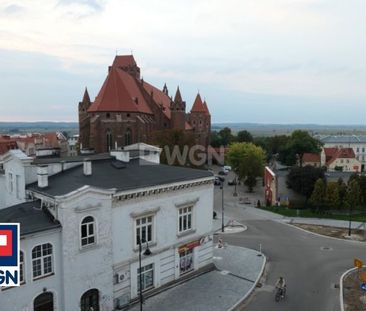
{"points": [[178, 111], [200, 120], [84, 121]]}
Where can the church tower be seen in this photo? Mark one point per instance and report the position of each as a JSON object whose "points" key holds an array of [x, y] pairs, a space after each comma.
{"points": [[84, 121], [178, 111]]}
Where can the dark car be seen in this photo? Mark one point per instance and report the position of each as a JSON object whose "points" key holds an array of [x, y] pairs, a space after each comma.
{"points": [[232, 182], [222, 179], [217, 181], [222, 173]]}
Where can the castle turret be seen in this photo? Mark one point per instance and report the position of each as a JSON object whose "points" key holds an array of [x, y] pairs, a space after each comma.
{"points": [[84, 120], [200, 120], [178, 111]]}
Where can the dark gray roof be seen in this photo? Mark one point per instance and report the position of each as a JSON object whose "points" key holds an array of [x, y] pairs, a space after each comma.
{"points": [[30, 216], [107, 175], [344, 139]]}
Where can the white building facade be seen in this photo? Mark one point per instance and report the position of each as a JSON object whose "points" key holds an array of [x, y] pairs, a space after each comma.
{"points": [[94, 213], [356, 142]]}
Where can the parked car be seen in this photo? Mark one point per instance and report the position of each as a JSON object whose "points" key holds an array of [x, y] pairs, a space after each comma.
{"points": [[222, 179], [217, 181], [232, 182], [222, 173], [227, 168]]}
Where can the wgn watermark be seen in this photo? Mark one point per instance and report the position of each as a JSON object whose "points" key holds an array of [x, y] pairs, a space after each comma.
{"points": [[196, 155]]}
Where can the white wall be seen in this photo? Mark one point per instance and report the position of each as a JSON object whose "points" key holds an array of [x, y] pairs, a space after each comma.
{"points": [[167, 240], [21, 298], [89, 267]]}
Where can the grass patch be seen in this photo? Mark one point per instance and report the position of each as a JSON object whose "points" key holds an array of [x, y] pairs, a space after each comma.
{"points": [[308, 213]]}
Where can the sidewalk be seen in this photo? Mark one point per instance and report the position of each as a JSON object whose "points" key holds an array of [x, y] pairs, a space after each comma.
{"points": [[238, 270], [321, 221]]}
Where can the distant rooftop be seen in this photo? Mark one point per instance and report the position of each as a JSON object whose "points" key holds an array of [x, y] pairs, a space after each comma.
{"points": [[343, 139]]}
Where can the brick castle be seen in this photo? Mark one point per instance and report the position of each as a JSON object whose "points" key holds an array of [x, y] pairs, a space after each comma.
{"points": [[128, 110]]}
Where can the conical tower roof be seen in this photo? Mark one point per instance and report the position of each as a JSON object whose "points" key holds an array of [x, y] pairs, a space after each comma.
{"points": [[178, 97], [86, 98], [198, 105]]}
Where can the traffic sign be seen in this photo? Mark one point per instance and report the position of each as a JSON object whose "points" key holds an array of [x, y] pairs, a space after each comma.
{"points": [[358, 263], [363, 276], [363, 286]]}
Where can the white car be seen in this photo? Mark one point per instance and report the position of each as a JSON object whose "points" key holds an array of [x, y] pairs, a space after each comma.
{"points": [[226, 168]]}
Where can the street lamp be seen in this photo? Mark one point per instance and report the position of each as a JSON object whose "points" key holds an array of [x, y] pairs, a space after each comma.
{"points": [[147, 252], [222, 206]]}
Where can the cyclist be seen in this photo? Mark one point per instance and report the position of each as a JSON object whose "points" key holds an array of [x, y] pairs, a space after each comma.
{"points": [[281, 285]]}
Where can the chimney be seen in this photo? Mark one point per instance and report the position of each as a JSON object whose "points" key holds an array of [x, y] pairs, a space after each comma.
{"points": [[87, 167], [42, 175]]}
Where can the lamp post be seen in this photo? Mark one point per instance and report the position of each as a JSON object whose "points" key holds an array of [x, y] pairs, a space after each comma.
{"points": [[350, 220], [147, 252], [222, 206], [235, 194]]}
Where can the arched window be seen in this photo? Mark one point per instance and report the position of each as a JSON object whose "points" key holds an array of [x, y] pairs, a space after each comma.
{"points": [[128, 137], [90, 300], [42, 260], [43, 302], [109, 140], [88, 231]]}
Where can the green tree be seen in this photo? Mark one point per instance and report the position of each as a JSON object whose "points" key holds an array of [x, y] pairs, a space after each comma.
{"points": [[332, 196], [170, 140], [353, 199], [299, 143], [302, 179], [226, 136], [318, 194], [215, 139], [362, 183], [247, 161], [244, 136], [353, 195], [342, 188]]}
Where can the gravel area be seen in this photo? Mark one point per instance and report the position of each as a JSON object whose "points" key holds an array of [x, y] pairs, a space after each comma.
{"points": [[352, 293], [335, 232]]}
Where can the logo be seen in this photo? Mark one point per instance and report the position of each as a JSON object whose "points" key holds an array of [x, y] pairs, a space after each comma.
{"points": [[9, 255]]}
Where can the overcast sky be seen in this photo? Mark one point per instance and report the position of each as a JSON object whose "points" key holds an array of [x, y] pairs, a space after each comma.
{"points": [[268, 61]]}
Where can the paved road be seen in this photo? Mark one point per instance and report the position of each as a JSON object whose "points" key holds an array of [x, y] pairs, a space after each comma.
{"points": [[311, 265]]}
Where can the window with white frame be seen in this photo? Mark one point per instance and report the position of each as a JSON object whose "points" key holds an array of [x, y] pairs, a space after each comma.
{"points": [[185, 218], [21, 267], [144, 229], [147, 277], [42, 260], [88, 231]]}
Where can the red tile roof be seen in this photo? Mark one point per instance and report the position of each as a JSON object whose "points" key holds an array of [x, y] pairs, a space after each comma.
{"points": [[159, 97], [206, 107], [6, 144], [198, 105], [120, 93], [311, 157], [333, 154], [124, 61]]}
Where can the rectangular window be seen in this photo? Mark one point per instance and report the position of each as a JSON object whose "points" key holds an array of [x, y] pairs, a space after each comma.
{"points": [[363, 149], [42, 260], [21, 268], [144, 229], [186, 261], [358, 149], [147, 273], [185, 219]]}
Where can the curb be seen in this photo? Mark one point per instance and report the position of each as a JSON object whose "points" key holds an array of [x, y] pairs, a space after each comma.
{"points": [[254, 284], [219, 230], [320, 235], [341, 286]]}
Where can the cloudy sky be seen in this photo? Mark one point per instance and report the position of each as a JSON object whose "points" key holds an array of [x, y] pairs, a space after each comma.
{"points": [[277, 61]]}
